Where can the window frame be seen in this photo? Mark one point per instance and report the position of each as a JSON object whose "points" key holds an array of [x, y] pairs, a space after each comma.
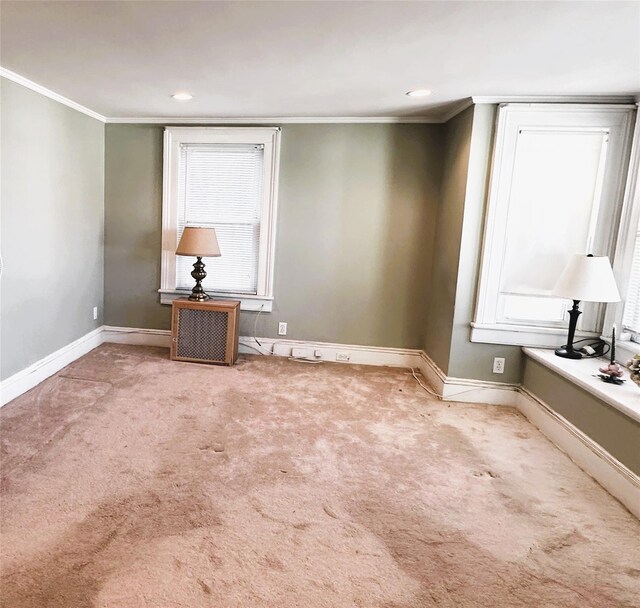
{"points": [[486, 327], [629, 225], [174, 137]]}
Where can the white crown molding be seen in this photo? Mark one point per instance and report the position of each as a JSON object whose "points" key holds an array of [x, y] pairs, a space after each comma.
{"points": [[273, 120], [34, 86], [612, 99], [269, 120], [457, 109]]}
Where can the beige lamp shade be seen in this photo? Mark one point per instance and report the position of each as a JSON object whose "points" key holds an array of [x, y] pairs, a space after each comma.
{"points": [[588, 279], [199, 242]]}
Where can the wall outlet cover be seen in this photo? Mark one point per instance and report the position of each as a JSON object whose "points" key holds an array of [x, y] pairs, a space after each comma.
{"points": [[282, 328], [498, 365], [95, 313]]}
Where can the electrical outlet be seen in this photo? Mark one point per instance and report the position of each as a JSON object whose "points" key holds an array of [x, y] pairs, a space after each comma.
{"points": [[282, 329], [498, 365], [342, 356], [95, 313]]}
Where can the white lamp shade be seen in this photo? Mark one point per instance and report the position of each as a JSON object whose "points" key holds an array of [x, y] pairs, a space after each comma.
{"points": [[588, 279], [199, 242]]}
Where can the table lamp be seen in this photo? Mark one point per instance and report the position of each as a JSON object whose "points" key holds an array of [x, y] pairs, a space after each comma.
{"points": [[198, 242], [589, 279]]}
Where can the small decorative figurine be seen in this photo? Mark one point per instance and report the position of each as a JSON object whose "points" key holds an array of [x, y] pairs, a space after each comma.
{"points": [[612, 373], [634, 369]]}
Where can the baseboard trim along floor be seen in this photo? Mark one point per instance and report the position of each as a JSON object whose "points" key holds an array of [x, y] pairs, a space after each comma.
{"points": [[31, 376], [590, 456], [618, 480]]}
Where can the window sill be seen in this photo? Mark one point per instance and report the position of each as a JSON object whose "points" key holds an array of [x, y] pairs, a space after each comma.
{"points": [[523, 335], [247, 303], [583, 372]]}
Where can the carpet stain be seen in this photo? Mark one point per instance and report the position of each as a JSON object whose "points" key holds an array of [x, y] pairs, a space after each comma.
{"points": [[274, 484]]}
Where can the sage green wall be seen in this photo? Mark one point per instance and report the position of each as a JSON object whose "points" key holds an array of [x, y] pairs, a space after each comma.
{"points": [[357, 208], [52, 173], [615, 432], [471, 359], [457, 142], [467, 156]]}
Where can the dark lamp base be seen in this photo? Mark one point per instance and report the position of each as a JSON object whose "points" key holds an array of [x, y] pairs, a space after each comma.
{"points": [[199, 274], [568, 354], [567, 351]]}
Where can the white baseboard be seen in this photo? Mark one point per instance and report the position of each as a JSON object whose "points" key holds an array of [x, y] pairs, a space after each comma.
{"points": [[362, 355], [592, 458], [26, 379], [466, 390], [452, 389], [137, 336]]}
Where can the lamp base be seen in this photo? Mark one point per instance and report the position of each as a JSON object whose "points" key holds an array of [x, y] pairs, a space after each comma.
{"points": [[567, 353], [199, 274], [198, 297]]}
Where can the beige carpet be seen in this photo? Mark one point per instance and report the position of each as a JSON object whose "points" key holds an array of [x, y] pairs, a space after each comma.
{"points": [[133, 481]]}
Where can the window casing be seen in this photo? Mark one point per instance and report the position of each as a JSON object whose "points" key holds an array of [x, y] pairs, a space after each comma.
{"points": [[225, 178], [556, 189], [626, 314]]}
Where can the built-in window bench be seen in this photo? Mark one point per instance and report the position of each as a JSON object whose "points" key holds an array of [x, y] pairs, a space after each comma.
{"points": [[584, 373]]}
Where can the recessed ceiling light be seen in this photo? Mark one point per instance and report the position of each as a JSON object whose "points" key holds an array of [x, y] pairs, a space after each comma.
{"points": [[419, 93], [182, 96]]}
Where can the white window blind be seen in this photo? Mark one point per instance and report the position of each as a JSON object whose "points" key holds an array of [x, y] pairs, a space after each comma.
{"points": [[553, 210], [220, 185], [631, 319]]}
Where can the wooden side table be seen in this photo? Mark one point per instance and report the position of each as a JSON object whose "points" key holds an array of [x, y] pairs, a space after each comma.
{"points": [[205, 332]]}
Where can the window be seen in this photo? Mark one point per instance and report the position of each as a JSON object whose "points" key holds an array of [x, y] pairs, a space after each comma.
{"points": [[626, 314], [556, 189], [225, 178], [631, 318]]}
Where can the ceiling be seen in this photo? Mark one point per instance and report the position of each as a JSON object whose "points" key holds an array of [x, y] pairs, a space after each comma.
{"points": [[318, 59]]}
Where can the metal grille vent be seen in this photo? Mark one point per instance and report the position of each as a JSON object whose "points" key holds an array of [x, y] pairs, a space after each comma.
{"points": [[202, 334]]}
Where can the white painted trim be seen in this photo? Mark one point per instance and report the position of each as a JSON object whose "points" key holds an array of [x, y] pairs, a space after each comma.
{"points": [[247, 302], [31, 376], [625, 244], [267, 120], [465, 390], [491, 299], [361, 355], [137, 336], [29, 84], [592, 458], [524, 335], [452, 389], [616, 100], [272, 120], [458, 108], [174, 137]]}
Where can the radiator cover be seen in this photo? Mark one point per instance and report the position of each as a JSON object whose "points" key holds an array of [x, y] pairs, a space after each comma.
{"points": [[205, 332]]}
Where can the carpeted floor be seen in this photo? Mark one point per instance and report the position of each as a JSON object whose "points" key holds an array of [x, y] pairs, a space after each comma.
{"points": [[130, 481]]}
